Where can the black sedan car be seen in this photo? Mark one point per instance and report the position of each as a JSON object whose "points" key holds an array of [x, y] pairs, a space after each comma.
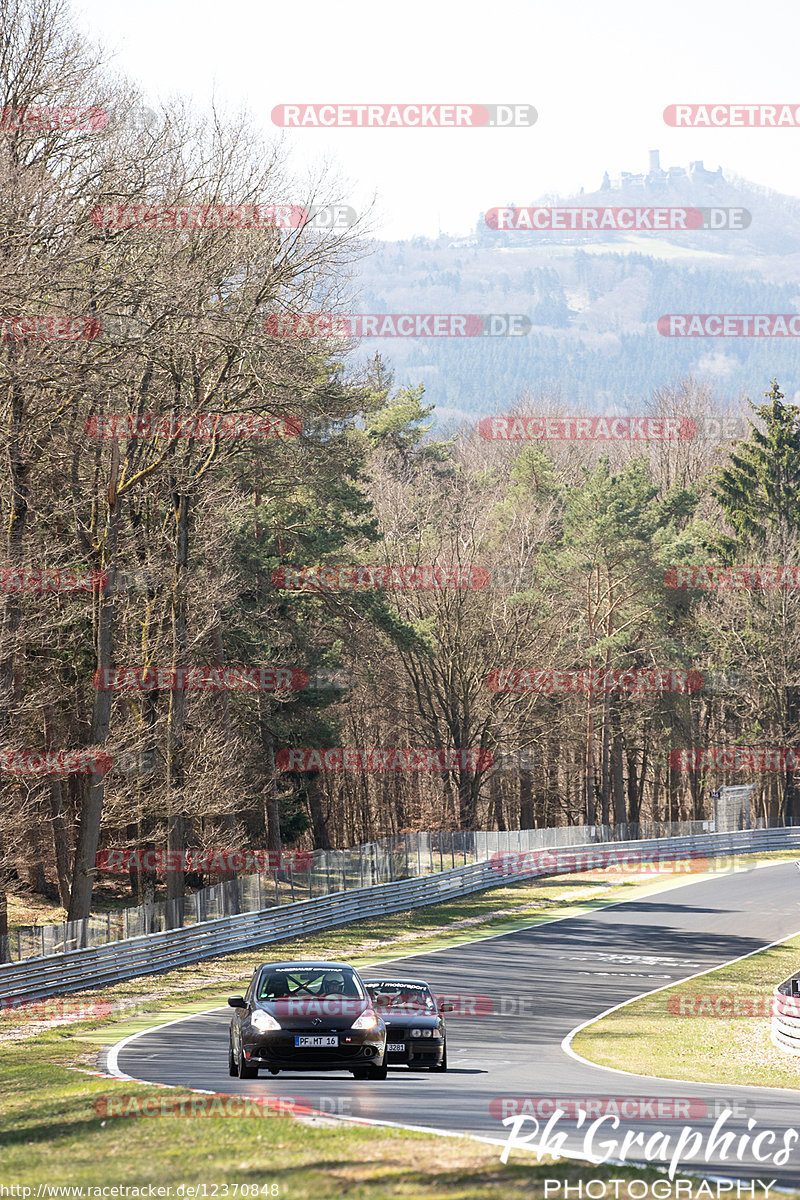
{"points": [[416, 1032], [306, 1016]]}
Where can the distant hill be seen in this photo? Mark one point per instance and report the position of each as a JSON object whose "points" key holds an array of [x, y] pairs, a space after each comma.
{"points": [[594, 299]]}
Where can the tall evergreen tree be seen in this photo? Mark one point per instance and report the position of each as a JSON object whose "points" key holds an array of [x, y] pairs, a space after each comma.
{"points": [[759, 493], [759, 487]]}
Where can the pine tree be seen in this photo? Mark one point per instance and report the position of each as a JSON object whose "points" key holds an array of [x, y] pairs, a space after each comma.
{"points": [[759, 493], [759, 488]]}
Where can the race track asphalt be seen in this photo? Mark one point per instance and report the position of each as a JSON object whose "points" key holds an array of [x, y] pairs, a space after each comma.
{"points": [[544, 982]]}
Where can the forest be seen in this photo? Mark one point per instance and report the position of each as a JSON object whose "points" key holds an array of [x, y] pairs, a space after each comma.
{"points": [[228, 553]]}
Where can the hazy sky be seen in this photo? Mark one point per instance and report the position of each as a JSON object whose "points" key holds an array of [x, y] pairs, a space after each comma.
{"points": [[599, 75]]}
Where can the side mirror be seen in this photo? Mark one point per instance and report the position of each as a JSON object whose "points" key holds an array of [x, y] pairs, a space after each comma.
{"points": [[447, 1006], [237, 1002]]}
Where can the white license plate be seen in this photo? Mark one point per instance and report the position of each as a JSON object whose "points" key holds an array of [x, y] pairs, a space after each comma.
{"points": [[316, 1041], [395, 1047]]}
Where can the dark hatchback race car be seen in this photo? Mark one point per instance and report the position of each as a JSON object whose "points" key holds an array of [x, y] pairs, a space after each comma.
{"points": [[306, 1016], [416, 1032]]}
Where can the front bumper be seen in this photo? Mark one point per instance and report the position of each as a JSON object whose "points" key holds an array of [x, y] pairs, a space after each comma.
{"points": [[425, 1052], [278, 1050]]}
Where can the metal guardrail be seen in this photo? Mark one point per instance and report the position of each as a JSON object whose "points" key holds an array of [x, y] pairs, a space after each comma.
{"points": [[79, 969], [386, 861], [785, 1030]]}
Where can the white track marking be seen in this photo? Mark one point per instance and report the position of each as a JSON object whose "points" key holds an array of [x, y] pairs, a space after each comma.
{"points": [[567, 1047], [114, 1051]]}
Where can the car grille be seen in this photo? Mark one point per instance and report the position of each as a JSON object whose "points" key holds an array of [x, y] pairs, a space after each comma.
{"points": [[427, 1051], [315, 1054]]}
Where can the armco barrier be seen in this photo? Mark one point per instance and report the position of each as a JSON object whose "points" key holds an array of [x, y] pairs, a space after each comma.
{"points": [[388, 860], [786, 1017], [78, 969]]}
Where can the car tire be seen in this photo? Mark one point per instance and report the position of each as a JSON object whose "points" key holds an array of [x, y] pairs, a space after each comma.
{"points": [[360, 1073], [443, 1064], [274, 1070], [377, 1072], [243, 1069], [232, 1067]]}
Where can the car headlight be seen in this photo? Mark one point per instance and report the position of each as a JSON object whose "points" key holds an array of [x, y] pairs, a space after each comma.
{"points": [[263, 1022], [367, 1020]]}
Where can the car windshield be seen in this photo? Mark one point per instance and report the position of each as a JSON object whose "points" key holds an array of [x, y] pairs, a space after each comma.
{"points": [[398, 996], [304, 983]]}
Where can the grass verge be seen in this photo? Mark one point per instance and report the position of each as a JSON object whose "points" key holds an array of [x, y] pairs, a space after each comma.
{"points": [[677, 1034], [51, 1133]]}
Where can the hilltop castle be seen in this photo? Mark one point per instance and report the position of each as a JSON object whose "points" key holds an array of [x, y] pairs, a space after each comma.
{"points": [[658, 176]]}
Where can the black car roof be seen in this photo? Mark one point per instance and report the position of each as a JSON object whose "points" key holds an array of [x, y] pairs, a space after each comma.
{"points": [[402, 982], [306, 965]]}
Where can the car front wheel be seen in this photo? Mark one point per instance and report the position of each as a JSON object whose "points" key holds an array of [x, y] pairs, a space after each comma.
{"points": [[232, 1067], [443, 1064], [244, 1069]]}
